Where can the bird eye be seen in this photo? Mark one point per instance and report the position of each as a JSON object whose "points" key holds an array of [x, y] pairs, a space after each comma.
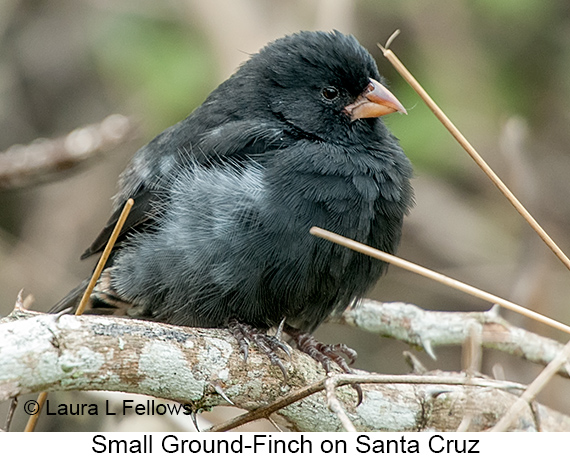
{"points": [[330, 93]]}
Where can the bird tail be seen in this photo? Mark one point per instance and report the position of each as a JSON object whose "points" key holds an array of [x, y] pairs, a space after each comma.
{"points": [[103, 299], [71, 300]]}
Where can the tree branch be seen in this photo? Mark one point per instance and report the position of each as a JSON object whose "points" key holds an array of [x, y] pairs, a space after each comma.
{"points": [[42, 159], [428, 329], [45, 352]]}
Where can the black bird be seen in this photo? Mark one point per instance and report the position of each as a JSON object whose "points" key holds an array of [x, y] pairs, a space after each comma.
{"points": [[224, 200]]}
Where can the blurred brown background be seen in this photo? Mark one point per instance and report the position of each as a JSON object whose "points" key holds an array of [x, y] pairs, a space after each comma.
{"points": [[499, 68]]}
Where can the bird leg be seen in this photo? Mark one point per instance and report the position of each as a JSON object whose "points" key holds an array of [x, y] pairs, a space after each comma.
{"points": [[325, 354], [268, 344]]}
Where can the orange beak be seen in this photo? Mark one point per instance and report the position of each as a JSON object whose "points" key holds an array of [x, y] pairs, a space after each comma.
{"points": [[374, 101]]}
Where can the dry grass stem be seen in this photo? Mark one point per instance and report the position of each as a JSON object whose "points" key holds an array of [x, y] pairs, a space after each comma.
{"points": [[533, 389], [104, 256], [399, 66], [552, 367], [438, 277], [31, 425]]}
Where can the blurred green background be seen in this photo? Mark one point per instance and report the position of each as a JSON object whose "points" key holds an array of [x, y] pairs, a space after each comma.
{"points": [[499, 68]]}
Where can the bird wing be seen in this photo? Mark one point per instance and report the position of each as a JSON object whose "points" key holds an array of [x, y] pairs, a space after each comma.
{"points": [[154, 166], [139, 215]]}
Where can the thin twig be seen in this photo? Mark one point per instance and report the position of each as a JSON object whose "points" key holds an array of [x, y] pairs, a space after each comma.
{"points": [[31, 425], [346, 379], [99, 333], [561, 359], [399, 66], [44, 159], [465, 423], [472, 353], [10, 415], [533, 389], [275, 424], [335, 406], [471, 365], [266, 411], [438, 277]]}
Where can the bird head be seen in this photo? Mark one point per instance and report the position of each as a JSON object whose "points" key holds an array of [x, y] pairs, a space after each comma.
{"points": [[322, 84]]}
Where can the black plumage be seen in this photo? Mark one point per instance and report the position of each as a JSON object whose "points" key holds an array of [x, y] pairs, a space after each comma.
{"points": [[224, 200]]}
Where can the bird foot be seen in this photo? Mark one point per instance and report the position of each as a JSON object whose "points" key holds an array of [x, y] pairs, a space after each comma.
{"points": [[246, 334], [325, 354]]}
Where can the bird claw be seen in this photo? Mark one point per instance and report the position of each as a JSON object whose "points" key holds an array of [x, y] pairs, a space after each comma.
{"points": [[268, 344], [325, 354], [237, 331]]}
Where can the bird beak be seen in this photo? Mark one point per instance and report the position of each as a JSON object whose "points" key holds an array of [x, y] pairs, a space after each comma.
{"points": [[374, 101]]}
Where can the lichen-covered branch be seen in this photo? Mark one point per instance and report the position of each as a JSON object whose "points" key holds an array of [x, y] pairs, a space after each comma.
{"points": [[429, 329], [45, 352]]}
